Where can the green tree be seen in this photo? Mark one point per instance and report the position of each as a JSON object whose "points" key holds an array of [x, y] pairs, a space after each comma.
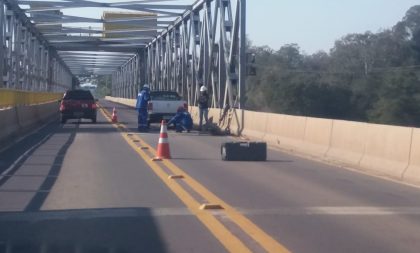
{"points": [[104, 85], [368, 77]]}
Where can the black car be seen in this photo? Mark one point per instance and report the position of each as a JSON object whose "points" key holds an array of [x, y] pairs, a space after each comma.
{"points": [[78, 104]]}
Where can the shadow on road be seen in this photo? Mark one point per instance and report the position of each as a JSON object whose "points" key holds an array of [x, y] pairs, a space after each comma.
{"points": [[39, 198], [194, 159], [75, 122], [83, 231], [93, 129]]}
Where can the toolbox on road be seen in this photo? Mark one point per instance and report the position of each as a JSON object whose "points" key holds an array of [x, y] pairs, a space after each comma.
{"points": [[244, 151]]}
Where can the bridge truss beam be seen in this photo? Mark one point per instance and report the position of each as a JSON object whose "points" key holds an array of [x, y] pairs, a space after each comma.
{"points": [[204, 46], [27, 61]]}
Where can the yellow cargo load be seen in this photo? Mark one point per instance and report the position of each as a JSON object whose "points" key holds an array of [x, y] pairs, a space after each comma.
{"points": [[146, 26]]}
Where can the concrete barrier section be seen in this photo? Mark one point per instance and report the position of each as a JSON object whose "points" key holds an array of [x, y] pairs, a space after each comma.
{"points": [[348, 140], [45, 111], [214, 115], [317, 136], [387, 149], [129, 102], [412, 174], [19, 120], [273, 127], [8, 123], [124, 101], [27, 115], [194, 113], [290, 131], [256, 124]]}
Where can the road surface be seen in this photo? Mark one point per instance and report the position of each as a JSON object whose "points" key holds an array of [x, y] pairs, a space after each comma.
{"points": [[83, 187]]}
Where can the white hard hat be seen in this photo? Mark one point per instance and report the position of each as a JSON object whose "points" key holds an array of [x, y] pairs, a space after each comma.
{"points": [[203, 88], [146, 86]]}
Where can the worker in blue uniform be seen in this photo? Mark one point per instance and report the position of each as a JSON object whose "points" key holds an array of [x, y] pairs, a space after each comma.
{"points": [[182, 120], [141, 106]]}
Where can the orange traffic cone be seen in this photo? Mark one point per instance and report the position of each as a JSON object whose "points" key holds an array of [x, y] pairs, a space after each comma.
{"points": [[114, 118], [163, 145]]}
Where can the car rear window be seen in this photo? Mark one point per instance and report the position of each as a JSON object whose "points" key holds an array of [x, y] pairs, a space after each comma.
{"points": [[164, 95], [78, 95]]}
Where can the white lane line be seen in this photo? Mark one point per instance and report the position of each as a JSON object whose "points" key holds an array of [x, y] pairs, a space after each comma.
{"points": [[335, 210], [11, 167]]}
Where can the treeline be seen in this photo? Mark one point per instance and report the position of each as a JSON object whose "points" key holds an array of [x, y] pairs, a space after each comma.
{"points": [[373, 77]]}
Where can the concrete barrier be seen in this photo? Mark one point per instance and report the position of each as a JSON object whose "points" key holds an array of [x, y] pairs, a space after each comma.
{"points": [[348, 141], [19, 120], [317, 136], [387, 149], [124, 101], [272, 129], [214, 115], [412, 174], [8, 123], [194, 113], [27, 115], [256, 124], [296, 133], [285, 131], [45, 111]]}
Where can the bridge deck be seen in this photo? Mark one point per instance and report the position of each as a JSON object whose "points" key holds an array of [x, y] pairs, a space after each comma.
{"points": [[86, 177]]}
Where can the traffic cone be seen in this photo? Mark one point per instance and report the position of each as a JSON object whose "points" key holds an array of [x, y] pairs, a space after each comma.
{"points": [[163, 145], [114, 118]]}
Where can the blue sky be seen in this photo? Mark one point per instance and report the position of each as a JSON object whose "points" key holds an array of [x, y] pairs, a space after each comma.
{"points": [[316, 24], [313, 24]]}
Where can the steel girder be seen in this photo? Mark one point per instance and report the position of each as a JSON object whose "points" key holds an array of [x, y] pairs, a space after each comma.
{"points": [[205, 46], [27, 61], [135, 33], [127, 81]]}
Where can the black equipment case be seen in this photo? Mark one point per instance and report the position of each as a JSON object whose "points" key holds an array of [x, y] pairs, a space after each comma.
{"points": [[244, 151]]}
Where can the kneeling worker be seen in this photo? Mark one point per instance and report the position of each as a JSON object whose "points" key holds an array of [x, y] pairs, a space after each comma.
{"points": [[182, 120]]}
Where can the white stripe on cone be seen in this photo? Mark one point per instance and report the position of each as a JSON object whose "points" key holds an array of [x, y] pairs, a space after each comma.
{"points": [[163, 140], [163, 146]]}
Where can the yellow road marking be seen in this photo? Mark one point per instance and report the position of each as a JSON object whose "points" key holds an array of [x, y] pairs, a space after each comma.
{"points": [[256, 233], [228, 240]]}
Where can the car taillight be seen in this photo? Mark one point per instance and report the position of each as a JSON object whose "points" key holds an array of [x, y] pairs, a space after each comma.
{"points": [[150, 106], [94, 106], [186, 106], [62, 107]]}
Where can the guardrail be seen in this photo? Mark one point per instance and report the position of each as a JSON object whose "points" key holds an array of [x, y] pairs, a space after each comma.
{"points": [[12, 98]]}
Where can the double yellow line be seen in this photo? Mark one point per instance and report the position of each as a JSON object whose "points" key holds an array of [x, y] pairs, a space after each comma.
{"points": [[231, 242]]}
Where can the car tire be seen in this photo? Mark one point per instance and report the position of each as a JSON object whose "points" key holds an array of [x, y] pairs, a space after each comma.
{"points": [[94, 120]]}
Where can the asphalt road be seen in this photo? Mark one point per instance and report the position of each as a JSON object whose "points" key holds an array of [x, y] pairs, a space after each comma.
{"points": [[83, 187]]}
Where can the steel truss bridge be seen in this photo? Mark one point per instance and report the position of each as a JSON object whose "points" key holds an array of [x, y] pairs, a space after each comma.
{"points": [[176, 46]]}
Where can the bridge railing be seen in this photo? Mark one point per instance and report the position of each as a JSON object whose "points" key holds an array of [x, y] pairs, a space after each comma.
{"points": [[13, 98]]}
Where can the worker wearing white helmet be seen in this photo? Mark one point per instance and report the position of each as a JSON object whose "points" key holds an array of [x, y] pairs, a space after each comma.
{"points": [[203, 88], [142, 100], [203, 106]]}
